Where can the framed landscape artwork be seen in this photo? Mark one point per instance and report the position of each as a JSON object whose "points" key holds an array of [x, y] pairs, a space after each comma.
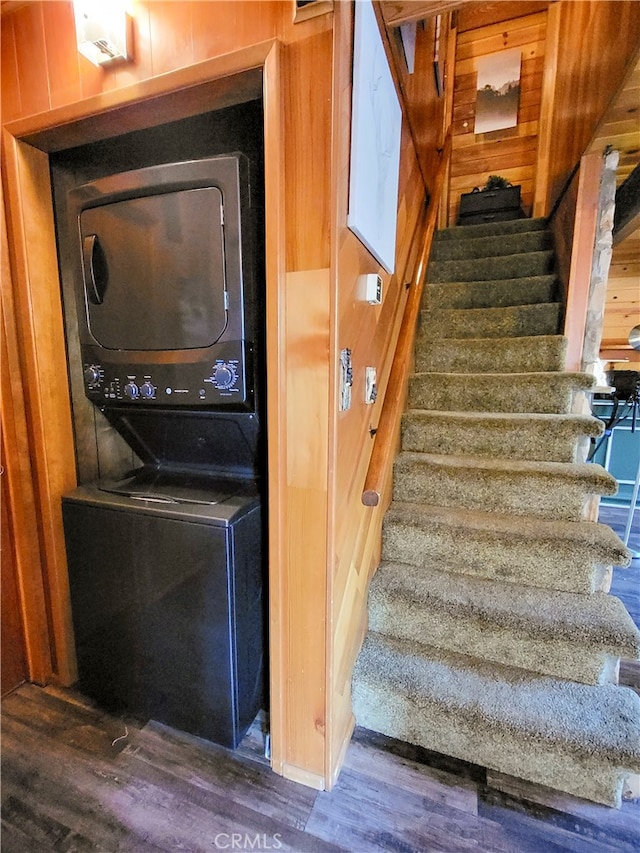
{"points": [[498, 91]]}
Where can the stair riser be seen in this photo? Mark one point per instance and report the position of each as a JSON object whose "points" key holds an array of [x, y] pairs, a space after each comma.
{"points": [[544, 563], [485, 247], [422, 433], [458, 631], [518, 322], [434, 727], [490, 229], [491, 294], [517, 355], [482, 269], [545, 496], [491, 393]]}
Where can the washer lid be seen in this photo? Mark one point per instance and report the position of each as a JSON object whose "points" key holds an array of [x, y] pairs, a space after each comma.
{"points": [[178, 487], [223, 444]]}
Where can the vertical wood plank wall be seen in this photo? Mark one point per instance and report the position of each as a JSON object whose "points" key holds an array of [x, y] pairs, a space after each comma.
{"points": [[365, 330], [425, 109], [324, 543], [511, 152], [623, 294]]}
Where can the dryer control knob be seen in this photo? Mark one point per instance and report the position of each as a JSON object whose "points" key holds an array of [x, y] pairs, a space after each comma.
{"points": [[224, 375], [147, 390], [92, 376], [131, 390]]}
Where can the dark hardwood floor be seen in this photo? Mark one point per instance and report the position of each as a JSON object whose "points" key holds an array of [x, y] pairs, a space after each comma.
{"points": [[626, 582], [77, 779]]}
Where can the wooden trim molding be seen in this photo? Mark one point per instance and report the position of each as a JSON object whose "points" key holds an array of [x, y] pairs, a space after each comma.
{"points": [[388, 425], [541, 201], [397, 12], [19, 484], [311, 9], [207, 85], [39, 323], [276, 410]]}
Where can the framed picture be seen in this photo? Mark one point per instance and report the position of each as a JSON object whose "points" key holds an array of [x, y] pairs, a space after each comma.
{"points": [[408, 33], [376, 126], [498, 91], [438, 62], [305, 9]]}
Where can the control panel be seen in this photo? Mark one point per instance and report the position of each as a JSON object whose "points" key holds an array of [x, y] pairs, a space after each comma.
{"points": [[217, 381]]}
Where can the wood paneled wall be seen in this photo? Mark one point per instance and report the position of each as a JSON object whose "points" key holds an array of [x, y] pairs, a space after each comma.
{"points": [[425, 109], [323, 542], [596, 42], [42, 69], [622, 311], [512, 152], [368, 331]]}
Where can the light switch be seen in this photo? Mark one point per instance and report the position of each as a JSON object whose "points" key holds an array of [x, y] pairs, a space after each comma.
{"points": [[370, 385]]}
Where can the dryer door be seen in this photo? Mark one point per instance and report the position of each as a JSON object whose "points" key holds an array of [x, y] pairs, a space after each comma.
{"points": [[154, 271]]}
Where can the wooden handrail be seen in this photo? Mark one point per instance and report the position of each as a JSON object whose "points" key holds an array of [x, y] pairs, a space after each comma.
{"points": [[386, 435]]}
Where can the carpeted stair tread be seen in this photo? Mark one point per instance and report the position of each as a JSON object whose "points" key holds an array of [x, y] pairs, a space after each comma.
{"points": [[536, 437], [491, 246], [524, 290], [489, 229], [481, 269], [574, 737], [578, 637], [540, 489], [542, 393], [535, 354], [565, 555], [513, 321]]}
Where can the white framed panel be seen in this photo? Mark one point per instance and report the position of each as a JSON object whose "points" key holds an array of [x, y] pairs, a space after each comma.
{"points": [[376, 125]]}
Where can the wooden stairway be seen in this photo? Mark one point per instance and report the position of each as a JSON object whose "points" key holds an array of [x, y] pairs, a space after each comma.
{"points": [[491, 634]]}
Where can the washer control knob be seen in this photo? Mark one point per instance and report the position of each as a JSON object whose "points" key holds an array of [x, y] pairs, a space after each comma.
{"points": [[92, 376], [131, 391], [147, 390], [224, 375]]}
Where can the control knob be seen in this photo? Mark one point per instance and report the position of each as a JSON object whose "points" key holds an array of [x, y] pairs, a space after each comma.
{"points": [[147, 390], [92, 376], [131, 390], [224, 375]]}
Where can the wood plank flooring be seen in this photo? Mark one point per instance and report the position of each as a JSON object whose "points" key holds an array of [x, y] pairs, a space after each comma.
{"points": [[77, 779], [626, 582]]}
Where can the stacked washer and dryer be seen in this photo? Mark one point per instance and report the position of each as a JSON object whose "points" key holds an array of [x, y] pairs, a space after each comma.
{"points": [[166, 562]]}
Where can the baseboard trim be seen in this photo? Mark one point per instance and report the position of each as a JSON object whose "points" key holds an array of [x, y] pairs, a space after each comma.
{"points": [[303, 777], [333, 778]]}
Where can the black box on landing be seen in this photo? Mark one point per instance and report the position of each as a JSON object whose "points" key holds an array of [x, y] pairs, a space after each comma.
{"points": [[496, 205]]}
